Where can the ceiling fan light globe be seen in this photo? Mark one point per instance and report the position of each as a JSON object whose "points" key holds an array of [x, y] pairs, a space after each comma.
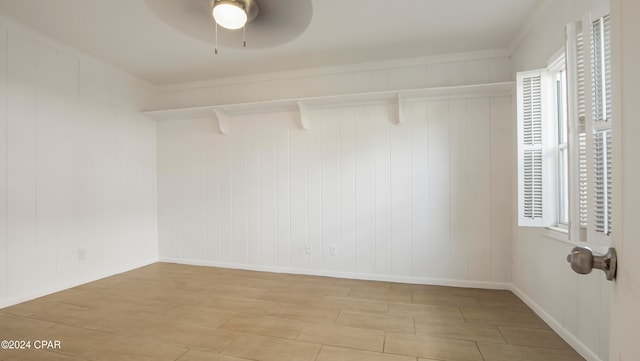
{"points": [[230, 15]]}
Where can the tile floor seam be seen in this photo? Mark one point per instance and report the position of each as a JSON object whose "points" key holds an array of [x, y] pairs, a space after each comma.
{"points": [[568, 348], [405, 355], [265, 335], [479, 351], [54, 324], [319, 352], [337, 316], [221, 351], [462, 313], [184, 353], [501, 334]]}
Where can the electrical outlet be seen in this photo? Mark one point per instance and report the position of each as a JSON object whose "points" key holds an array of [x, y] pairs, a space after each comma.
{"points": [[307, 248], [333, 250], [82, 254]]}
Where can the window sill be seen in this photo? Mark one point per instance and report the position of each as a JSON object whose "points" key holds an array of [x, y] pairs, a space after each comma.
{"points": [[559, 234], [562, 235]]}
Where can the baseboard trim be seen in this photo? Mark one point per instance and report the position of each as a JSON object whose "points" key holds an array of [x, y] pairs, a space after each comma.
{"points": [[73, 283], [349, 275], [571, 339]]}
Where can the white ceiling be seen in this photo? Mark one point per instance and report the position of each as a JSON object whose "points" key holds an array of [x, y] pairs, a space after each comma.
{"points": [[129, 35]]}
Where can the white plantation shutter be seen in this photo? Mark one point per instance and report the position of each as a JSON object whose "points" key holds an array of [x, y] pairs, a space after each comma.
{"points": [[580, 127], [533, 154], [583, 180], [599, 130], [576, 65], [601, 69], [580, 64], [602, 182], [588, 50]]}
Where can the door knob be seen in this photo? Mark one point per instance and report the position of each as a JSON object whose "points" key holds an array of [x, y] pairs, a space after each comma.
{"points": [[583, 261]]}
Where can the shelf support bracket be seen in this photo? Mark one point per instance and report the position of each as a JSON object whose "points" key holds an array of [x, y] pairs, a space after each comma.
{"points": [[305, 119], [401, 120], [223, 124]]}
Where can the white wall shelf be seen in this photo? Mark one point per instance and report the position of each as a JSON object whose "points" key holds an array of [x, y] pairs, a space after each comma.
{"points": [[302, 105]]}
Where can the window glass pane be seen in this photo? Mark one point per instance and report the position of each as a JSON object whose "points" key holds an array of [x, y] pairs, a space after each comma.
{"points": [[560, 111], [563, 187], [562, 148]]}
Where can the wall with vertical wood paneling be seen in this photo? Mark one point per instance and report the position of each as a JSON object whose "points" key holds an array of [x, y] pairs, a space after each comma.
{"points": [[77, 169], [424, 202]]}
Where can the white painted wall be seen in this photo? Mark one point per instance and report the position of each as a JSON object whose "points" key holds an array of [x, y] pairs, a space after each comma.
{"points": [[426, 202], [577, 307], [77, 168]]}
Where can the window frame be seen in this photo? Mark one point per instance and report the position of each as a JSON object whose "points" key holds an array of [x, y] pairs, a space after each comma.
{"points": [[557, 70]]}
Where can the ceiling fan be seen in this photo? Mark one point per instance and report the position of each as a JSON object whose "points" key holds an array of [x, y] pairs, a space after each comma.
{"points": [[267, 23], [233, 15]]}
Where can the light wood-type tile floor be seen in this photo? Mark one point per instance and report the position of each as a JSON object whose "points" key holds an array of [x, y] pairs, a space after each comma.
{"points": [[187, 313]]}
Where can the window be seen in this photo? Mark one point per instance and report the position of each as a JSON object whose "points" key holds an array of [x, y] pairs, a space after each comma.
{"points": [[562, 146], [564, 137]]}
